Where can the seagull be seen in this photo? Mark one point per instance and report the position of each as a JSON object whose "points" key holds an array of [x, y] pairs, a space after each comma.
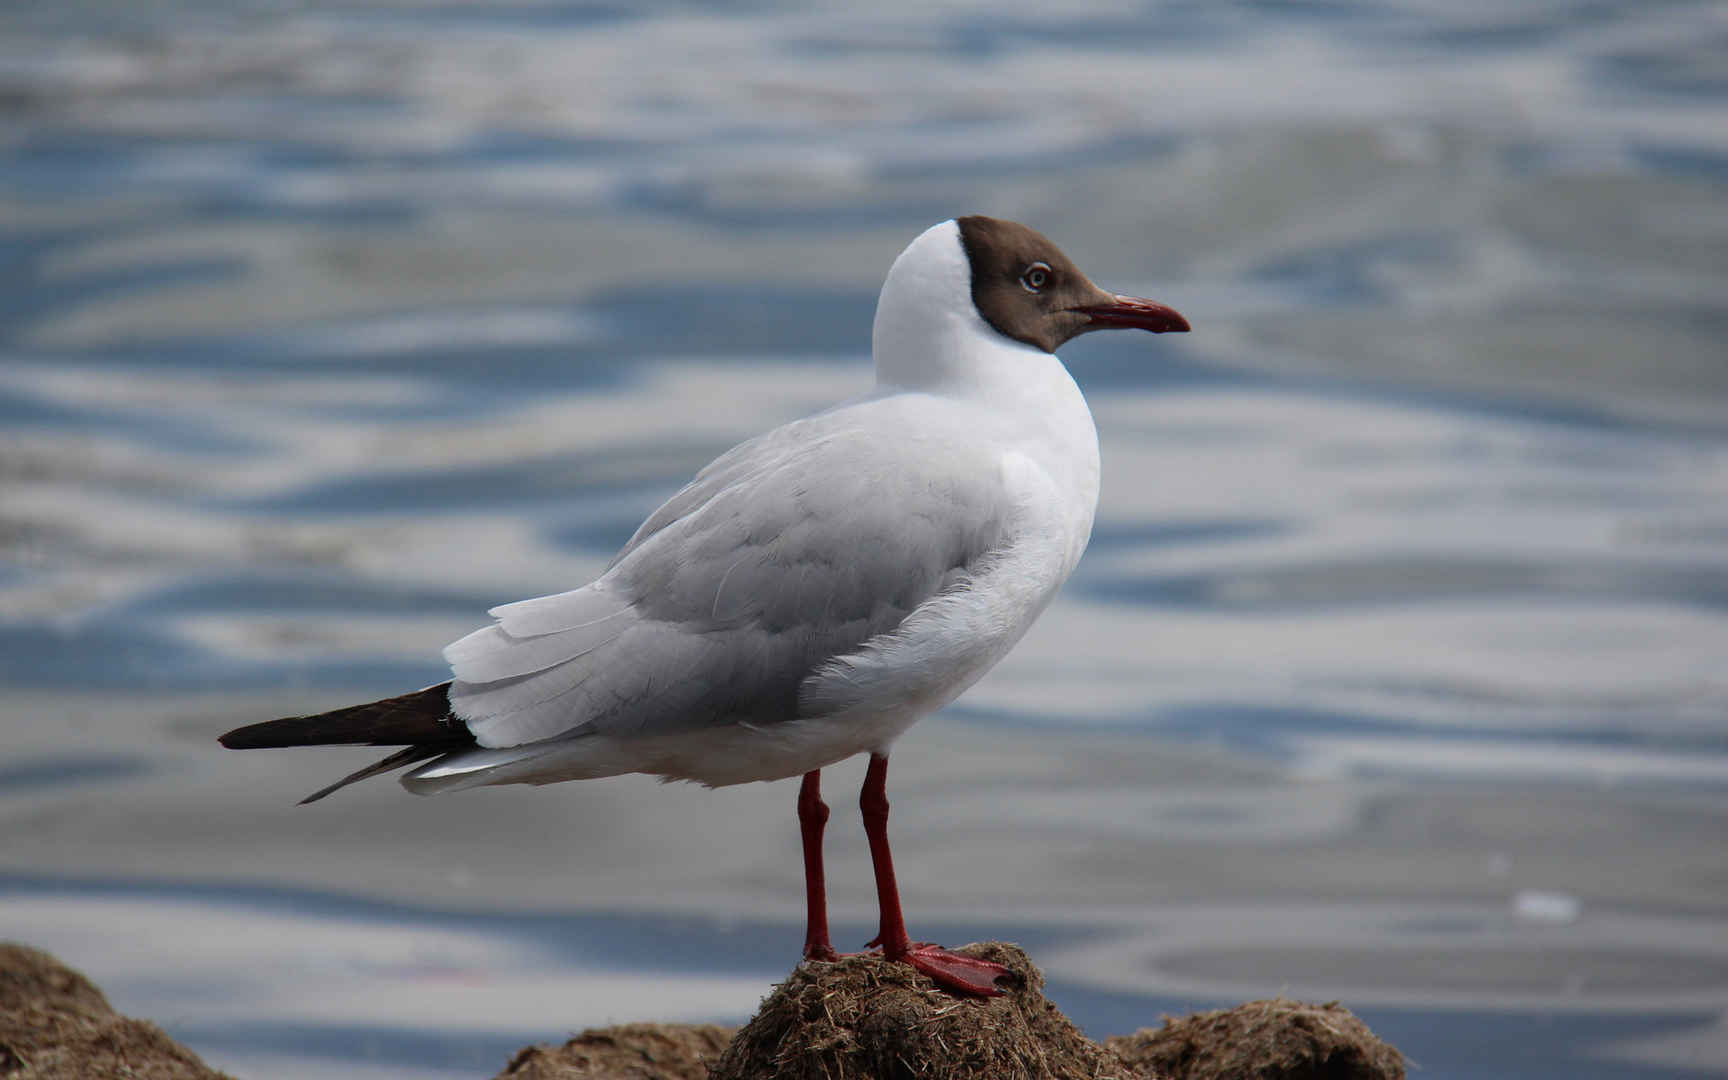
{"points": [[814, 591]]}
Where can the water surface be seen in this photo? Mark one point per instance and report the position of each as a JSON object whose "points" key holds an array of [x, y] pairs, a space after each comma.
{"points": [[1394, 673]]}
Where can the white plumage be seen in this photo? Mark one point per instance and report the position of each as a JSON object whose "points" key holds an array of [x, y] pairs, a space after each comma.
{"points": [[816, 590]]}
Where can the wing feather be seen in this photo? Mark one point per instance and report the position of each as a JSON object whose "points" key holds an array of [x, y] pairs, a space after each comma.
{"points": [[589, 605], [787, 552], [492, 654]]}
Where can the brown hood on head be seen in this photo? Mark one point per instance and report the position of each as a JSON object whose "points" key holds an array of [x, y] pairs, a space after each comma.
{"points": [[1027, 290]]}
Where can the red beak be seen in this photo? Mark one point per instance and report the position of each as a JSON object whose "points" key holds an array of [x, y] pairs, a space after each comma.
{"points": [[1132, 312]]}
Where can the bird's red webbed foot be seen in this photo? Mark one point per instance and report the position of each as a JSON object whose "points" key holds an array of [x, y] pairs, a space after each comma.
{"points": [[952, 971], [956, 973]]}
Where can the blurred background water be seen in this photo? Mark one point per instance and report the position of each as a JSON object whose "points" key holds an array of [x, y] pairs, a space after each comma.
{"points": [[1395, 672]]}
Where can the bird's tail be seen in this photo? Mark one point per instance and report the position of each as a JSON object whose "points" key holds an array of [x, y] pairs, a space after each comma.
{"points": [[420, 722], [417, 719], [407, 756]]}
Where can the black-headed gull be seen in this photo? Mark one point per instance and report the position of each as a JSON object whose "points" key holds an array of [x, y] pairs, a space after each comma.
{"points": [[815, 590]]}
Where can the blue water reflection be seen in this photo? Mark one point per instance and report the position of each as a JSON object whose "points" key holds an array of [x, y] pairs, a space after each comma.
{"points": [[1401, 631]]}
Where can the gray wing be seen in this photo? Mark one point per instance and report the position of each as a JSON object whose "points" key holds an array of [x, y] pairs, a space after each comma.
{"points": [[786, 552]]}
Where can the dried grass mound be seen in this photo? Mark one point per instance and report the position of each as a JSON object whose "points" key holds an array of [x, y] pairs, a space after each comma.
{"points": [[625, 1052], [55, 1025], [862, 1018], [1263, 1040]]}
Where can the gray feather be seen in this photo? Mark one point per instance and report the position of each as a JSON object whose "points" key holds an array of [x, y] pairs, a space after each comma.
{"points": [[788, 551]]}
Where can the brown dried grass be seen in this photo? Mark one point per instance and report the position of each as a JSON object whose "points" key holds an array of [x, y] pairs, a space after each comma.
{"points": [[1276, 1039], [55, 1025], [625, 1052], [862, 1017], [857, 1018]]}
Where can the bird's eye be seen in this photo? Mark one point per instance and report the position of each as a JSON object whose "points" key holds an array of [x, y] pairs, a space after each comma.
{"points": [[1036, 277]]}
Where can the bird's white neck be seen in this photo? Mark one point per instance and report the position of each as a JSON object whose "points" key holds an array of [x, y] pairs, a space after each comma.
{"points": [[929, 337]]}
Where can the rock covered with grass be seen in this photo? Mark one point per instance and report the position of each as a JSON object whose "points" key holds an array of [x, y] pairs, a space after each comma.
{"points": [[624, 1052], [857, 1018], [1276, 1039], [55, 1025], [861, 1017]]}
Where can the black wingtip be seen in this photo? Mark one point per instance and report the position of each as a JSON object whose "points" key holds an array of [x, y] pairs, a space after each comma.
{"points": [[271, 734], [420, 722], [406, 756], [420, 718], [242, 738]]}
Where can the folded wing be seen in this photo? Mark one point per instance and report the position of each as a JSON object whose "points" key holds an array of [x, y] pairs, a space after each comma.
{"points": [[790, 550]]}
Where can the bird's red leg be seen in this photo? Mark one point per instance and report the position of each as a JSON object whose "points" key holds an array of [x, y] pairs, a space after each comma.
{"points": [[812, 819], [963, 974]]}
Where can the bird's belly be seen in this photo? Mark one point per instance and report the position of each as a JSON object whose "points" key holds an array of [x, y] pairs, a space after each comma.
{"points": [[742, 754]]}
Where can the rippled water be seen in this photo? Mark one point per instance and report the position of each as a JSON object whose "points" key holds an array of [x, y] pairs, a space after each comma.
{"points": [[1394, 672]]}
